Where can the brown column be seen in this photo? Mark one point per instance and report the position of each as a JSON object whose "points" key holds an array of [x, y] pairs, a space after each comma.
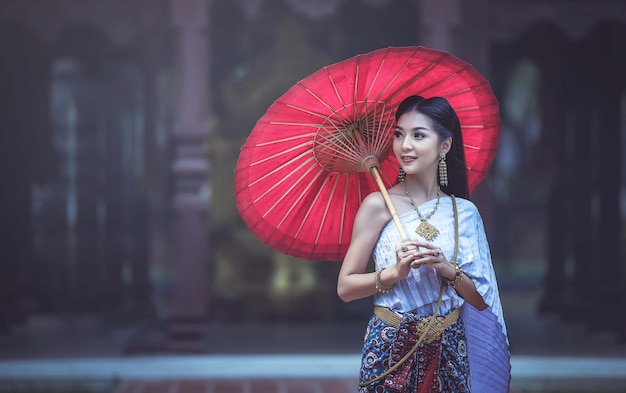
{"points": [[186, 319]]}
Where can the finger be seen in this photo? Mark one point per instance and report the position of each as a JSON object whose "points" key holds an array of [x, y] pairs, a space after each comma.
{"points": [[416, 264], [403, 247], [426, 254], [419, 244]]}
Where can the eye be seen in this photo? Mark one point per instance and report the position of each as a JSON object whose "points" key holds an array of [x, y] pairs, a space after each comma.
{"points": [[419, 135], [397, 134]]}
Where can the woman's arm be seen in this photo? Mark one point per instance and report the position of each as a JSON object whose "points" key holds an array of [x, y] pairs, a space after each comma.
{"points": [[465, 287], [353, 283]]}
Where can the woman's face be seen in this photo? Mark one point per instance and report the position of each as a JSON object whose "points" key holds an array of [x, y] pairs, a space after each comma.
{"points": [[416, 144]]}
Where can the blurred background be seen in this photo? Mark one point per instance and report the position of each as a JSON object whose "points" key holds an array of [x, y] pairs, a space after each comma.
{"points": [[121, 123]]}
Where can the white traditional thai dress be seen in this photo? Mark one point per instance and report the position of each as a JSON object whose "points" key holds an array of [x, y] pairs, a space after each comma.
{"points": [[487, 342]]}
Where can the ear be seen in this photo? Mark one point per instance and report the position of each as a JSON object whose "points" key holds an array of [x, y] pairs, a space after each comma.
{"points": [[446, 145]]}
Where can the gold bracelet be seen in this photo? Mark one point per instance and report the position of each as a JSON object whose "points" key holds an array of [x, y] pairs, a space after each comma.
{"points": [[379, 285], [458, 275]]}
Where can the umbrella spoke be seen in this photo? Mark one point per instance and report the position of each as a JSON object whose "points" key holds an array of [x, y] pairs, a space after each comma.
{"points": [[312, 113], [336, 91], [471, 147], [467, 108], [325, 215], [436, 83], [347, 147], [297, 124], [456, 93], [282, 153], [380, 130], [371, 87], [303, 192], [312, 205], [409, 82], [344, 204], [278, 169], [289, 190], [327, 105]]}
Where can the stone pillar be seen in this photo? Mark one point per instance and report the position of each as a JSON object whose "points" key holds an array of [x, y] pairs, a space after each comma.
{"points": [[190, 226]]}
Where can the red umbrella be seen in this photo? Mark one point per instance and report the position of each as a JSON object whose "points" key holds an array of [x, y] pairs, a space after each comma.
{"points": [[303, 171]]}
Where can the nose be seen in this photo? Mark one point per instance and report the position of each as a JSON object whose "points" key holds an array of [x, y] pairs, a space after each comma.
{"points": [[406, 143]]}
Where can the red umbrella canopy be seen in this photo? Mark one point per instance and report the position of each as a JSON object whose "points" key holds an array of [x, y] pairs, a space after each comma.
{"points": [[304, 169]]}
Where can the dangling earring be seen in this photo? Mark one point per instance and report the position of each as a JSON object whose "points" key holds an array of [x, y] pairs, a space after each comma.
{"points": [[443, 169], [401, 175]]}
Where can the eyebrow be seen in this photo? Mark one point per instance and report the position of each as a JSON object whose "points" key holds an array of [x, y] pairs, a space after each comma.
{"points": [[414, 128]]}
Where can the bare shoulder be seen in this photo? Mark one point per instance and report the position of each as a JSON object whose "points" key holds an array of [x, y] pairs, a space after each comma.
{"points": [[373, 210], [374, 202]]}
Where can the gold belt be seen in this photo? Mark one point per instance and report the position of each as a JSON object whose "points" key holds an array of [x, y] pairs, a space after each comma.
{"points": [[440, 324]]}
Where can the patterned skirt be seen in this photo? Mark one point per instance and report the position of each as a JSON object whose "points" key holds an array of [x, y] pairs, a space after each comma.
{"points": [[437, 367]]}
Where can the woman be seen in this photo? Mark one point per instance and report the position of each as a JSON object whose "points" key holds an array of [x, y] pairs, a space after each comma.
{"points": [[465, 348]]}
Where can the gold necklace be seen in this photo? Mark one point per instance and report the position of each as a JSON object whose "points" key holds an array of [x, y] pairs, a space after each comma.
{"points": [[425, 229]]}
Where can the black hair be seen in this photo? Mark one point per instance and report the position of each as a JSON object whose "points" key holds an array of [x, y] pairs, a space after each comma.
{"points": [[446, 124]]}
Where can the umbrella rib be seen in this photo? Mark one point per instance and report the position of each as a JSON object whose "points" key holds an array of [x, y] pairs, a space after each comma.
{"points": [[455, 73], [382, 134], [328, 202], [290, 123], [455, 93], [343, 210], [302, 194], [371, 87], [332, 121], [281, 167], [287, 192], [440, 82], [407, 83], [307, 111], [357, 71], [298, 147], [379, 141], [325, 103], [383, 140], [467, 108], [332, 82], [472, 147], [334, 141], [308, 212], [282, 180], [374, 144], [380, 67]]}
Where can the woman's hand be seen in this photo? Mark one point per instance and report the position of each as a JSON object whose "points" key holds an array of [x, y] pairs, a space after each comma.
{"points": [[405, 255], [415, 254]]}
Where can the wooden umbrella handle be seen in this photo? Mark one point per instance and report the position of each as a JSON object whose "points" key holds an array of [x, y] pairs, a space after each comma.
{"points": [[390, 206]]}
